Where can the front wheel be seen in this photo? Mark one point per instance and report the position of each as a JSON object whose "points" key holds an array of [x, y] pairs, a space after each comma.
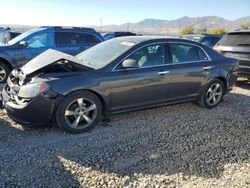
{"points": [[79, 112], [213, 94]]}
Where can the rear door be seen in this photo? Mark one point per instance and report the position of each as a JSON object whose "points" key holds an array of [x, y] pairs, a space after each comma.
{"points": [[189, 70]]}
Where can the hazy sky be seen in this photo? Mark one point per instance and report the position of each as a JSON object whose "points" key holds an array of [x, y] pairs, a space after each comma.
{"points": [[89, 12]]}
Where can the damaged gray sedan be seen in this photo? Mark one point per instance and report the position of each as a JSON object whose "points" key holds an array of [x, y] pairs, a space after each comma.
{"points": [[118, 75]]}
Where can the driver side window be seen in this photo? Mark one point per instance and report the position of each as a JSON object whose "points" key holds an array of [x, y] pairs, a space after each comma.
{"points": [[153, 55], [40, 40]]}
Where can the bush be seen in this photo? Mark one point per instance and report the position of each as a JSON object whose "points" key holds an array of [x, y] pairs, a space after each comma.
{"points": [[218, 31], [201, 31], [187, 30]]}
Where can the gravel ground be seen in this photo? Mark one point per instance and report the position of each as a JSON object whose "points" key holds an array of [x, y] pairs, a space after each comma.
{"points": [[176, 146]]}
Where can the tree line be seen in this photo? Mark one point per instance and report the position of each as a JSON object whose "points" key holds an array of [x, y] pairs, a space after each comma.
{"points": [[216, 31], [190, 30]]}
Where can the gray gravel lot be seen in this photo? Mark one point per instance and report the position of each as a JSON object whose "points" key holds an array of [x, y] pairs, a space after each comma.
{"points": [[176, 146]]}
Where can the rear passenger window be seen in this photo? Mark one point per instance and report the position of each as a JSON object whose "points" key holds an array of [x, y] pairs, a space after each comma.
{"points": [[73, 39], [82, 38], [65, 39], [186, 53]]}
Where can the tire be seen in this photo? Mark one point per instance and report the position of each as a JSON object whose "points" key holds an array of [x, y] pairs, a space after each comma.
{"points": [[4, 72], [210, 91], [79, 112]]}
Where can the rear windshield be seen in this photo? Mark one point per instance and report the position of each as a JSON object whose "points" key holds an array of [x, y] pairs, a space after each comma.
{"points": [[235, 39]]}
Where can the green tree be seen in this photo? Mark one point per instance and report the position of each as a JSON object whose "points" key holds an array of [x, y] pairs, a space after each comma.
{"points": [[218, 31], [201, 31], [187, 30]]}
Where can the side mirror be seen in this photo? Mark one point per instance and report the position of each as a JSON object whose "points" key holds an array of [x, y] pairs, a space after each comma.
{"points": [[23, 44], [130, 63]]}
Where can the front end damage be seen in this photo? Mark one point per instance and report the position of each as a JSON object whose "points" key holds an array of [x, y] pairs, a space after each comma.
{"points": [[27, 97], [27, 110]]}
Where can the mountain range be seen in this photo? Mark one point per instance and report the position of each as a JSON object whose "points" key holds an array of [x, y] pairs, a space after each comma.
{"points": [[176, 25], [166, 27]]}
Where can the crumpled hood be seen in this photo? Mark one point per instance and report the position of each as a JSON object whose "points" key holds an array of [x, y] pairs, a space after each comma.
{"points": [[46, 58]]}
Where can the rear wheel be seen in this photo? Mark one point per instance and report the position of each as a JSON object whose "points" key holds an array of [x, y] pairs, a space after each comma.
{"points": [[79, 112], [213, 94], [4, 72]]}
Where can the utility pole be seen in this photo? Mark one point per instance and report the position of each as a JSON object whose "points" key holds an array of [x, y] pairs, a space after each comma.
{"points": [[180, 25], [100, 25]]}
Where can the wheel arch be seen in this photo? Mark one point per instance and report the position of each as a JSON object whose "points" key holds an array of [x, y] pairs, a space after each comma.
{"points": [[224, 80], [100, 97], [6, 62]]}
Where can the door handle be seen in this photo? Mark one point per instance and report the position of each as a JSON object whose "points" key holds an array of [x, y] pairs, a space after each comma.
{"points": [[207, 68], [163, 72]]}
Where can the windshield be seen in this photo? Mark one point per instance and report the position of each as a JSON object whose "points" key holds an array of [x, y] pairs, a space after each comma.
{"points": [[22, 36], [102, 54], [235, 39]]}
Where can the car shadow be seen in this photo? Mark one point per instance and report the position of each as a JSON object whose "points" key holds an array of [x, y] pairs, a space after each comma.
{"points": [[244, 84], [202, 146]]}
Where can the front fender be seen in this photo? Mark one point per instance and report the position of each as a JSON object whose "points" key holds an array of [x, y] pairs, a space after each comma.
{"points": [[71, 84], [7, 57]]}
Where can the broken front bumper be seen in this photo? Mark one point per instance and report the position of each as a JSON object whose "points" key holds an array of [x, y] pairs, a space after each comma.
{"points": [[38, 112]]}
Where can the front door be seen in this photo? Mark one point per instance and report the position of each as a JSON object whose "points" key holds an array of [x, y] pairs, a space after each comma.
{"points": [[36, 45], [143, 86]]}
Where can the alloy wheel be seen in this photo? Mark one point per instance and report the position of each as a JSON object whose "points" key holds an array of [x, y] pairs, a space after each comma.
{"points": [[80, 113], [214, 94]]}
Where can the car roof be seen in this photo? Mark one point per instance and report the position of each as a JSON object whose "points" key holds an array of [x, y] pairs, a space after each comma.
{"points": [[202, 35], [65, 28], [138, 39], [141, 39], [241, 31]]}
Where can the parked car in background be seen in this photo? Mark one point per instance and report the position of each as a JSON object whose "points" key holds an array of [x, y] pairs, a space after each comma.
{"points": [[118, 34], [206, 39], [237, 45], [23, 48], [118, 75], [6, 34], [14, 34]]}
